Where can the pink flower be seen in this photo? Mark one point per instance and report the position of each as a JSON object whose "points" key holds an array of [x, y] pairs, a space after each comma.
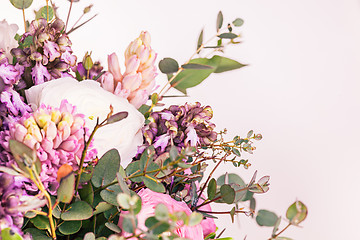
{"points": [[57, 135], [149, 201], [138, 80]]}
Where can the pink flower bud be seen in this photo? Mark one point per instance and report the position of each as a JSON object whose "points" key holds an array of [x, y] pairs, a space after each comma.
{"points": [[69, 145], [47, 144], [132, 81], [114, 67], [107, 81], [132, 65], [50, 130], [20, 132], [124, 93], [140, 97], [145, 37]]}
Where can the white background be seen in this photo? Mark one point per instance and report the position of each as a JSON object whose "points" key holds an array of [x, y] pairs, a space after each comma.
{"points": [[300, 90]]}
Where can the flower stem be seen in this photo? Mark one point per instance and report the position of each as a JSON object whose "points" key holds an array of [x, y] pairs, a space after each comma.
{"points": [[23, 11], [68, 16]]}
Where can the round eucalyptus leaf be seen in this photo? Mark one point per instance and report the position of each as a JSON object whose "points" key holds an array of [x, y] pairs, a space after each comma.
{"points": [[21, 4]]}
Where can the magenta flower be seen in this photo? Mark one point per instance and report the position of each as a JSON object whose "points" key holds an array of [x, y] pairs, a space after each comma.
{"points": [[57, 134], [149, 201]]}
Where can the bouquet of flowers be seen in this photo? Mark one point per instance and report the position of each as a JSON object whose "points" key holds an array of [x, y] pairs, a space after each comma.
{"points": [[88, 153]]}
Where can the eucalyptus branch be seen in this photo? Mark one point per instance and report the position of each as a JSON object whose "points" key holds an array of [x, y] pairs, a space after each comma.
{"points": [[23, 11], [68, 16], [278, 234]]}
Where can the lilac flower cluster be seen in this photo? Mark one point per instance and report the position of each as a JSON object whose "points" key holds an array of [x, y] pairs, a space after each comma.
{"points": [[12, 104], [12, 201], [182, 126], [45, 52], [57, 134], [87, 74]]}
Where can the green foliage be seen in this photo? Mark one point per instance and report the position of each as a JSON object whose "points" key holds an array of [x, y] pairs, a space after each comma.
{"points": [[266, 218], [161, 212], [37, 234], [86, 193], [200, 69], [106, 169], [219, 21], [24, 156], [154, 185], [65, 192], [41, 222], [238, 22], [156, 227], [70, 227], [117, 117], [227, 193], [211, 189], [168, 65], [200, 39], [42, 13], [296, 213], [8, 234], [77, 211], [195, 218], [109, 194], [228, 35], [21, 4]]}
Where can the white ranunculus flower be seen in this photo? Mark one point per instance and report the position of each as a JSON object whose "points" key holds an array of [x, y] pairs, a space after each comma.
{"points": [[7, 41], [93, 101]]}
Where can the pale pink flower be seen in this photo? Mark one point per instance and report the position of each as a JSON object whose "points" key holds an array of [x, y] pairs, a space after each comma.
{"points": [[7, 41], [138, 80], [149, 201]]}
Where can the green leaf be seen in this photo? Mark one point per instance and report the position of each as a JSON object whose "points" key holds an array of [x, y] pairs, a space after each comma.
{"points": [[283, 238], [89, 236], [297, 212], [174, 153], [200, 39], [123, 186], [168, 65], [276, 226], [77, 211], [161, 212], [87, 193], [196, 66], [227, 193], [134, 169], [228, 35], [128, 222], [41, 222], [123, 200], [238, 22], [21, 4], [157, 227], [211, 189], [226, 64], [144, 108], [65, 192], [117, 117], [24, 156], [42, 13], [109, 194], [219, 21], [8, 234], [147, 157], [153, 185], [266, 218], [37, 234], [26, 42], [113, 227], [106, 169], [87, 173], [102, 207], [154, 98], [195, 218], [70, 227], [192, 77]]}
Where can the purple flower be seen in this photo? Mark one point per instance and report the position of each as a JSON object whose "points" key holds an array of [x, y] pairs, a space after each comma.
{"points": [[40, 73]]}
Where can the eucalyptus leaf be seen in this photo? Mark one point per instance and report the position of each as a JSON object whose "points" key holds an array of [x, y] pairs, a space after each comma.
{"points": [[200, 39], [89, 236], [65, 192], [266, 218], [297, 212], [228, 35], [77, 211], [42, 13], [37, 234], [8, 234], [219, 21], [86, 193], [161, 212], [168, 65], [70, 227], [195, 218], [153, 185], [109, 194], [117, 117], [21, 4], [211, 189], [113, 227], [41, 222], [24, 156], [106, 169], [238, 22], [102, 207], [226, 64], [227, 193]]}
